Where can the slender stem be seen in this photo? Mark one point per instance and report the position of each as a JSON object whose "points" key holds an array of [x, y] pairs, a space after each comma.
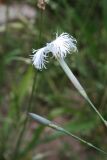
{"points": [[78, 86], [52, 125], [3, 130], [84, 141], [101, 117], [19, 141]]}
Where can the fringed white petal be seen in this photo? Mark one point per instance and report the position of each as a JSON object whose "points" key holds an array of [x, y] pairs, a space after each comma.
{"points": [[39, 58], [62, 45]]}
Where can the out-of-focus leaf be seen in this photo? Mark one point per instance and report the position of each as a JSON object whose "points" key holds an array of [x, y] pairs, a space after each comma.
{"points": [[25, 84], [11, 56]]}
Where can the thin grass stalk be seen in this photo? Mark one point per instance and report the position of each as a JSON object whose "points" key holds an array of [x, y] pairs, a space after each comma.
{"points": [[35, 81], [20, 138], [78, 86], [76, 137], [3, 135]]}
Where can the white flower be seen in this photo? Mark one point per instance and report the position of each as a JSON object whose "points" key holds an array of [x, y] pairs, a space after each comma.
{"points": [[39, 58], [62, 45]]}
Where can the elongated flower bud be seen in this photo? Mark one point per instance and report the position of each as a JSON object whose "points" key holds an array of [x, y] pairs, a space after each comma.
{"points": [[40, 119]]}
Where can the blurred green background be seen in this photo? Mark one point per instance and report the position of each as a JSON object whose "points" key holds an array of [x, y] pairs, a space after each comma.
{"points": [[24, 26]]}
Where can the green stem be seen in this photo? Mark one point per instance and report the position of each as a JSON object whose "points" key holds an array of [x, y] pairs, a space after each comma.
{"points": [[78, 86], [101, 117], [19, 141], [62, 130]]}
